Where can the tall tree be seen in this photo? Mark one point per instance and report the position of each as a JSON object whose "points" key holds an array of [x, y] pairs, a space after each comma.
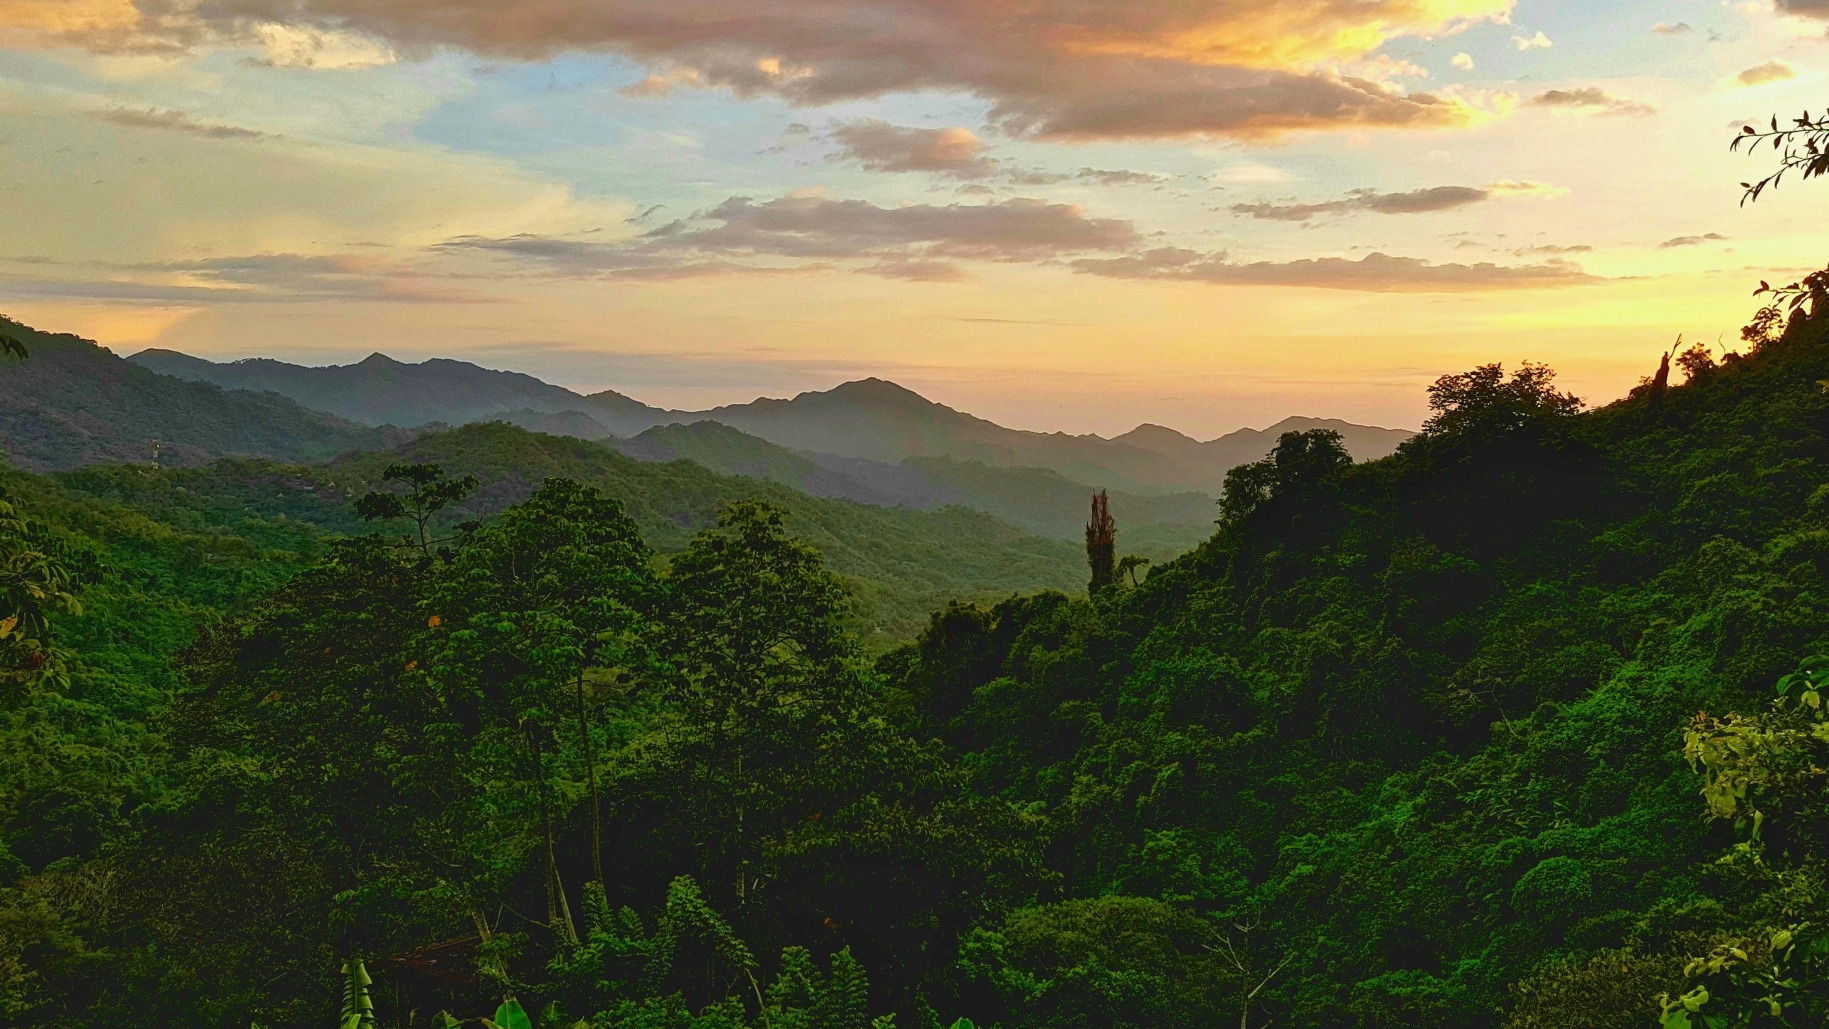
{"points": [[1101, 544]]}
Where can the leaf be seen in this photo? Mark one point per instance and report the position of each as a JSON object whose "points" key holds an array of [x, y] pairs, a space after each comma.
{"points": [[511, 1016]]}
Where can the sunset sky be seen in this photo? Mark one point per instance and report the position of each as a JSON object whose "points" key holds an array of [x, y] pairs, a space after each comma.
{"points": [[1059, 214]]}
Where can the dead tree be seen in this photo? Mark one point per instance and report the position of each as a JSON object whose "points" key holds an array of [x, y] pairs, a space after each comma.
{"points": [[1101, 544]]}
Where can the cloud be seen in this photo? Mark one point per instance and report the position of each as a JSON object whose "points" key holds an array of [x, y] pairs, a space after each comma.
{"points": [[1590, 100], [1664, 28], [1805, 8], [929, 242], [1525, 188], [286, 46], [1773, 70], [880, 146], [1119, 177], [296, 276], [1251, 173], [173, 121], [1551, 249], [1689, 241], [918, 271], [957, 153], [1104, 69], [1536, 42], [1378, 273], [253, 278], [1462, 61], [1418, 201], [912, 241], [663, 85]]}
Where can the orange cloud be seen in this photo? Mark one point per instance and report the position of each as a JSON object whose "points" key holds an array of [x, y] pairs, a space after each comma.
{"points": [[1095, 69], [99, 24]]}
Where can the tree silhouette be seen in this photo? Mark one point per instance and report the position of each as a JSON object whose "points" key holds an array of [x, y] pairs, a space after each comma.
{"points": [[1101, 544]]}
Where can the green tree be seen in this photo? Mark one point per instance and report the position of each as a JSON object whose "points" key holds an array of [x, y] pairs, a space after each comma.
{"points": [[554, 588], [1301, 463], [428, 491]]}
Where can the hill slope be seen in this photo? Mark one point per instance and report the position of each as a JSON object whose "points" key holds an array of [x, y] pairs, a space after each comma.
{"points": [[901, 563], [1422, 720], [74, 403]]}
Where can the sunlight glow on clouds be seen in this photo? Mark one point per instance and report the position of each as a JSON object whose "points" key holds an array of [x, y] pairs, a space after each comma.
{"points": [[1254, 202], [1106, 69]]}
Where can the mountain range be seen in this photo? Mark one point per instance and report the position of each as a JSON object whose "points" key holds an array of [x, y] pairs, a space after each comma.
{"points": [[911, 501], [74, 403], [870, 419]]}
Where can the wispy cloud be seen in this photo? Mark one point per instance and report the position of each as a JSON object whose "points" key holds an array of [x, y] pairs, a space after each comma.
{"points": [[1690, 241], [172, 121], [1536, 42], [933, 243], [244, 279], [1373, 273], [911, 242], [1590, 100], [1551, 249], [1416, 201], [1664, 28]]}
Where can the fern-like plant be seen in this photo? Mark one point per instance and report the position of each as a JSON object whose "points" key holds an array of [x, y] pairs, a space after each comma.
{"points": [[358, 1009]]}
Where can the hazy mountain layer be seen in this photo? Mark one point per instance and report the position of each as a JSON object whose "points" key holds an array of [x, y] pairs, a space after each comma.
{"points": [[871, 418], [1036, 500]]}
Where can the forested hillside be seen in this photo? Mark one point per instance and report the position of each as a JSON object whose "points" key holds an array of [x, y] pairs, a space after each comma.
{"points": [[897, 564], [76, 403], [1402, 744]]}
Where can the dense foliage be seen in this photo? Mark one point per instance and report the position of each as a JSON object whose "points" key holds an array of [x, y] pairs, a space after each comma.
{"points": [[898, 564], [1412, 742]]}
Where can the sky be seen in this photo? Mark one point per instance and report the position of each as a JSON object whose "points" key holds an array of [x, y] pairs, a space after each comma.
{"points": [[1072, 216]]}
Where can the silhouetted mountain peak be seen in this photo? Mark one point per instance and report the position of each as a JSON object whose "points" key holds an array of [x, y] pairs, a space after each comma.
{"points": [[876, 390], [1149, 434]]}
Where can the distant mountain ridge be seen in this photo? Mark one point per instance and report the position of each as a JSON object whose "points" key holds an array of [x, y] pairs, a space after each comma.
{"points": [[871, 419], [1036, 500], [379, 390], [74, 403]]}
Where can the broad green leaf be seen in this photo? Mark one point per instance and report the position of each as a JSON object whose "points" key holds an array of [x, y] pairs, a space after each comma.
{"points": [[511, 1016]]}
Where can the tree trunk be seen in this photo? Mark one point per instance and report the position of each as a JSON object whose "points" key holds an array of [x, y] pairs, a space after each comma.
{"points": [[557, 909], [590, 767]]}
